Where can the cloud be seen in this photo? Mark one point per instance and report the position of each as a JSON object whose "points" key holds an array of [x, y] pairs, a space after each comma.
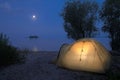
{"points": [[5, 6]]}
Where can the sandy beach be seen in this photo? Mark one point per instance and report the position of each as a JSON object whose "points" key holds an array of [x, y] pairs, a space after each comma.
{"points": [[38, 66]]}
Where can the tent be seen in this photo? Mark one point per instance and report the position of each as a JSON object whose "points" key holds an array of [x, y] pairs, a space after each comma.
{"points": [[84, 54]]}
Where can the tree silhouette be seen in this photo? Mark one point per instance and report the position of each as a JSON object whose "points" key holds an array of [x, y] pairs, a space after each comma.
{"points": [[110, 14], [8, 53], [79, 18]]}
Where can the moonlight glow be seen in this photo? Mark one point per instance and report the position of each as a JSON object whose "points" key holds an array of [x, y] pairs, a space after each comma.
{"points": [[34, 17]]}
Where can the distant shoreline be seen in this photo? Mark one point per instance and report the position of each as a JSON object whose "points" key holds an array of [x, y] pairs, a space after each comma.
{"points": [[30, 51]]}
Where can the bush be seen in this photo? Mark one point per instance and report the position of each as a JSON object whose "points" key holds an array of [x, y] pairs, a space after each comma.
{"points": [[114, 76], [115, 44], [8, 54]]}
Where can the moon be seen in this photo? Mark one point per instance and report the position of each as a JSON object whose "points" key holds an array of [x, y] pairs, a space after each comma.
{"points": [[34, 17]]}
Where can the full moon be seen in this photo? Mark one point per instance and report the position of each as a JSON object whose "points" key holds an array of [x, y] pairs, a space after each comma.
{"points": [[34, 17]]}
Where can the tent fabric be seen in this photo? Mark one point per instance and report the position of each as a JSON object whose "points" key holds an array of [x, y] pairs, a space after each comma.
{"points": [[84, 54], [62, 52]]}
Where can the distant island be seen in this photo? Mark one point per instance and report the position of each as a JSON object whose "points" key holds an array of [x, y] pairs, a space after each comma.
{"points": [[33, 37]]}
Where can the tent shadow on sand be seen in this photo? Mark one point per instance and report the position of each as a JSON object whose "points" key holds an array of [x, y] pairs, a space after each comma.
{"points": [[84, 55]]}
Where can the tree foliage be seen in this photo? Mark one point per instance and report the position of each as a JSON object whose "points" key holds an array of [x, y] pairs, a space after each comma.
{"points": [[8, 54], [79, 18], [110, 14]]}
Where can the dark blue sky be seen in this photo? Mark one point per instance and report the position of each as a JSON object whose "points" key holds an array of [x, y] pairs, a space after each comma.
{"points": [[16, 21], [17, 15]]}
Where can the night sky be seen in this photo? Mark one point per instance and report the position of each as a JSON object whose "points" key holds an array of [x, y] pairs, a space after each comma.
{"points": [[22, 18]]}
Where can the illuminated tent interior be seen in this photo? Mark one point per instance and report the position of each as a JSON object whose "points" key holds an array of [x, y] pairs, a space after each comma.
{"points": [[85, 55]]}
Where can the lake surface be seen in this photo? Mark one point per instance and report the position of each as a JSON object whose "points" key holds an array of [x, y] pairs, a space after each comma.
{"points": [[46, 43]]}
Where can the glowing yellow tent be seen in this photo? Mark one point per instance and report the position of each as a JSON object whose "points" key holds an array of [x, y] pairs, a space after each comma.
{"points": [[84, 54]]}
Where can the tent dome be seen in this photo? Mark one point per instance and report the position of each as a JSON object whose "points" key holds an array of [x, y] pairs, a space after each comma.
{"points": [[84, 54]]}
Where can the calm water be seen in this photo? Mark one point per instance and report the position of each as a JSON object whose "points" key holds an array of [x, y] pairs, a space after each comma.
{"points": [[47, 44]]}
